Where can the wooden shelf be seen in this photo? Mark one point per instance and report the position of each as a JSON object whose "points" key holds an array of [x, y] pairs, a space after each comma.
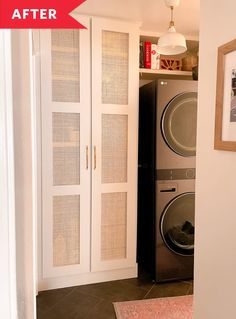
{"points": [[168, 74], [165, 72]]}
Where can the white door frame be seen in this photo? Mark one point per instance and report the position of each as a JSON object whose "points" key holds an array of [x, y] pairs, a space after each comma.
{"points": [[8, 298]]}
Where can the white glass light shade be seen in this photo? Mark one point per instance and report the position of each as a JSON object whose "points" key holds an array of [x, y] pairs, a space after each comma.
{"points": [[171, 43]]}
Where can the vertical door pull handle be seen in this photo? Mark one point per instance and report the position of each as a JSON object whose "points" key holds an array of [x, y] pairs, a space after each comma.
{"points": [[95, 157], [86, 156]]}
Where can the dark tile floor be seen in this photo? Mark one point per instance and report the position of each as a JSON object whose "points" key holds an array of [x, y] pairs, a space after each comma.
{"points": [[96, 301]]}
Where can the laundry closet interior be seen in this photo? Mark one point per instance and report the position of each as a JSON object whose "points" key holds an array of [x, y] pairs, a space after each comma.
{"points": [[116, 149]]}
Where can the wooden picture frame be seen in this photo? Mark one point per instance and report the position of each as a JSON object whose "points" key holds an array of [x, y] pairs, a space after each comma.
{"points": [[225, 114]]}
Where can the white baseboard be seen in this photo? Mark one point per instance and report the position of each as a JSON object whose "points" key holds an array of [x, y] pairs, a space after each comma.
{"points": [[87, 278]]}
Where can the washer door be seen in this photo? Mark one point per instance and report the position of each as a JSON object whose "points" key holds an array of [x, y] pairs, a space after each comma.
{"points": [[177, 224], [179, 123]]}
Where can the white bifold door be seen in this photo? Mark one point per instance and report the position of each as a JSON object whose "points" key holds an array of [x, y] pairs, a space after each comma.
{"points": [[89, 103]]}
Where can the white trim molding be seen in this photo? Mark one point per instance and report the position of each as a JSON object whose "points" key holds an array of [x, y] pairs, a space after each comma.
{"points": [[8, 309]]}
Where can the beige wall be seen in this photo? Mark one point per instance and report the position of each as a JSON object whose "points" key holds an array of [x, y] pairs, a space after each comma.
{"points": [[23, 173], [215, 255]]}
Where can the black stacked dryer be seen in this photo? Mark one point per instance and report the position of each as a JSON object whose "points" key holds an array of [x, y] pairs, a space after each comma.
{"points": [[172, 222]]}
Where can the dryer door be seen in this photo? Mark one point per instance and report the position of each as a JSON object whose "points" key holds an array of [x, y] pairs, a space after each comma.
{"points": [[177, 224], [179, 123]]}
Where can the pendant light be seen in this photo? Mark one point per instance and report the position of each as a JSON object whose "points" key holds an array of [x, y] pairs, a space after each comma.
{"points": [[171, 42]]}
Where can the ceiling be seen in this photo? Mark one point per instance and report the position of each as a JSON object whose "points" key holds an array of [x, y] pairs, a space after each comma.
{"points": [[153, 15]]}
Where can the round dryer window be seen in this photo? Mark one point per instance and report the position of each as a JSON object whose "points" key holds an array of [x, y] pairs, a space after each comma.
{"points": [[177, 224], [179, 123]]}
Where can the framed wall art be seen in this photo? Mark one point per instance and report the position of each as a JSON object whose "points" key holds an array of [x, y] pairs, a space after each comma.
{"points": [[225, 115]]}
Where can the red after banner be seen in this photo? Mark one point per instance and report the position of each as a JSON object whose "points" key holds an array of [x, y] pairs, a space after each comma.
{"points": [[38, 14]]}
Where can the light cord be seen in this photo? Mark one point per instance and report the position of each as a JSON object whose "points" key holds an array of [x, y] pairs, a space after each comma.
{"points": [[172, 17]]}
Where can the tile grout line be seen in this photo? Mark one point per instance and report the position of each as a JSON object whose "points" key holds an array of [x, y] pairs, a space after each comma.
{"points": [[147, 293], [190, 286], [140, 287], [56, 303]]}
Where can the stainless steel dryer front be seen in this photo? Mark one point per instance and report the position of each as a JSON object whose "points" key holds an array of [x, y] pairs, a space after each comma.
{"points": [[176, 124]]}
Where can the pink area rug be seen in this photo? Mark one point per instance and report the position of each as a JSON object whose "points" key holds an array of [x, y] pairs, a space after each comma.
{"points": [[160, 308]]}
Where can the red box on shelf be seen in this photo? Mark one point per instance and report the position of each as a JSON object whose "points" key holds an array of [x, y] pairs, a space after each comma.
{"points": [[147, 54]]}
